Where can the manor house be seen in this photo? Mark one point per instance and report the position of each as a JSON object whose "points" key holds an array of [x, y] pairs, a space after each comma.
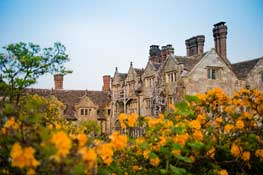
{"points": [[167, 77]]}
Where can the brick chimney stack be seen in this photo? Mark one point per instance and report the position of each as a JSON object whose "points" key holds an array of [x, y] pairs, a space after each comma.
{"points": [[220, 35], [154, 54], [106, 83], [58, 79], [166, 51], [195, 45]]}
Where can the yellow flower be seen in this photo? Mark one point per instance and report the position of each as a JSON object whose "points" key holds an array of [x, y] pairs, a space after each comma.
{"points": [[162, 141], [30, 172], [11, 123], [246, 156], [122, 118], [132, 120], [62, 143], [155, 161], [82, 139], [259, 153], [119, 141], [146, 154], [201, 118], [105, 152], [23, 157], [198, 135], [176, 152], [181, 139], [218, 121], [235, 150], [195, 124], [240, 124], [211, 153], [192, 158], [89, 155], [136, 168], [222, 172], [228, 128]]}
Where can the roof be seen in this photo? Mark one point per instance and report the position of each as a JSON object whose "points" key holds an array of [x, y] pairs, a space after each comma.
{"points": [[138, 71], [71, 97], [123, 75], [243, 68], [189, 62], [156, 65]]}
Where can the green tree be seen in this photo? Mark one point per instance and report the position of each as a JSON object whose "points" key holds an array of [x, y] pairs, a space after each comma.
{"points": [[23, 63]]}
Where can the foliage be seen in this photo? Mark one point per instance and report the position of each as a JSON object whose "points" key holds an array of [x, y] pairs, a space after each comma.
{"points": [[211, 133], [22, 64]]}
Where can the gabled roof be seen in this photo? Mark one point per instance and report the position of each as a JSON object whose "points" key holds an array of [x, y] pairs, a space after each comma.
{"points": [[156, 65], [139, 71], [123, 75], [243, 68], [189, 62], [71, 97]]}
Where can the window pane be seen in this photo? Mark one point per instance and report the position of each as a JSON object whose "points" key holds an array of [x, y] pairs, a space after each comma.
{"points": [[81, 111], [209, 73], [213, 74]]}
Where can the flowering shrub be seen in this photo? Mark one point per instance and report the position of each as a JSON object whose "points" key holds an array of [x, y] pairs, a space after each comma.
{"points": [[209, 133]]}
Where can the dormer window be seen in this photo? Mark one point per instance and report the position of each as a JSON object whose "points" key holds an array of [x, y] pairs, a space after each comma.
{"points": [[170, 77], [213, 73]]}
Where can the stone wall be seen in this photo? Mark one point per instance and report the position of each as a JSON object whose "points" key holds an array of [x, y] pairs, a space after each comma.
{"points": [[254, 79]]}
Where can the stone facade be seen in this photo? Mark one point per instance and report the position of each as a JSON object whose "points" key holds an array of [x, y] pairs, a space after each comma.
{"points": [[167, 78]]}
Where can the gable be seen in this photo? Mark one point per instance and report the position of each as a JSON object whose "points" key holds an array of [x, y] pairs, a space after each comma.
{"points": [[131, 74], [149, 70], [170, 65], [211, 59], [86, 102]]}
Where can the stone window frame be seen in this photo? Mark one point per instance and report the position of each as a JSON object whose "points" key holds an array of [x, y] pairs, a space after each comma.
{"points": [[170, 100], [213, 73], [147, 102], [149, 81], [170, 76], [85, 111]]}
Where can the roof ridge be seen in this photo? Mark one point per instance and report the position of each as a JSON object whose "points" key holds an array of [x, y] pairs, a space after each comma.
{"points": [[248, 60]]}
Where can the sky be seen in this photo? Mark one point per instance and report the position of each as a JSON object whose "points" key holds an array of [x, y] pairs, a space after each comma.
{"points": [[101, 35]]}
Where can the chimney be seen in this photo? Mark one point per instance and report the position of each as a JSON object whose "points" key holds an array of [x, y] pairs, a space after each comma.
{"points": [[58, 79], [220, 34], [106, 83], [166, 51], [195, 45], [154, 54]]}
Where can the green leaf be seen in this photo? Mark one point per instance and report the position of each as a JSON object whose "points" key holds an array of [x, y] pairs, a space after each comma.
{"points": [[79, 168], [195, 145], [163, 171], [177, 171], [183, 158], [191, 98]]}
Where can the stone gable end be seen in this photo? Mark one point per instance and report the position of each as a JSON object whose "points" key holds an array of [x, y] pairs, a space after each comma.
{"points": [[254, 79]]}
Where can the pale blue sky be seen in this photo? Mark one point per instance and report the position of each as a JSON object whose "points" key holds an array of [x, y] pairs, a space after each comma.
{"points": [[100, 35]]}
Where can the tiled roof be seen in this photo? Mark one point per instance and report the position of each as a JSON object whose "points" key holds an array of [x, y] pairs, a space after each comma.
{"points": [[139, 71], [72, 97], [242, 69], [156, 65], [123, 75], [189, 62]]}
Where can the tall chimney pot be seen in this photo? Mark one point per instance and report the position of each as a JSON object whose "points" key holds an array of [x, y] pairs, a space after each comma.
{"points": [[106, 83], [58, 80], [220, 36]]}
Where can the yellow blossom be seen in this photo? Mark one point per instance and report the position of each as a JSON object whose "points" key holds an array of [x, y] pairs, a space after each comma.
{"points": [[136, 168], [62, 143], [235, 150], [105, 152], [176, 152], [23, 157], [11, 123], [240, 124], [118, 141], [162, 141], [198, 135], [218, 121], [132, 120], [89, 155], [161, 116], [201, 118], [146, 154], [195, 124], [211, 153], [246, 156], [181, 139], [259, 153], [82, 139], [155, 161], [30, 172], [228, 128], [192, 158], [222, 172]]}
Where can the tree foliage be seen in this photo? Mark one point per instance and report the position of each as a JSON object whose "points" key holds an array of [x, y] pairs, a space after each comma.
{"points": [[23, 63]]}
